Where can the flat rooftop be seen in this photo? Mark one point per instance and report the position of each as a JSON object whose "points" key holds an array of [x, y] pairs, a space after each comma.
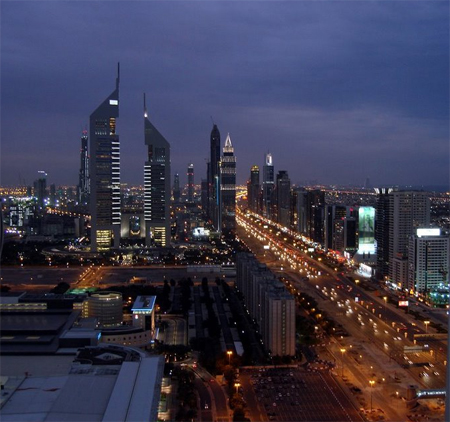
{"points": [[144, 304], [126, 392]]}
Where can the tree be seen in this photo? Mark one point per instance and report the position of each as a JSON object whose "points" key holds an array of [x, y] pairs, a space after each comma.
{"points": [[60, 288]]}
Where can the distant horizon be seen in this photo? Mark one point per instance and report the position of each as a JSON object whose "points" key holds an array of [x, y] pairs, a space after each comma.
{"points": [[426, 188]]}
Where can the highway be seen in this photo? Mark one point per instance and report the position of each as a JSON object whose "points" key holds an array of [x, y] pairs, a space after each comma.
{"points": [[381, 333]]}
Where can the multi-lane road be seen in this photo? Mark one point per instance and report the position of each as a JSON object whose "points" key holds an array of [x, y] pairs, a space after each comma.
{"points": [[370, 319]]}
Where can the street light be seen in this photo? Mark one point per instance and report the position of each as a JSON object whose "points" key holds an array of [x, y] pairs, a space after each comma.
{"points": [[371, 382], [385, 298], [426, 326], [342, 362], [237, 385], [229, 353]]}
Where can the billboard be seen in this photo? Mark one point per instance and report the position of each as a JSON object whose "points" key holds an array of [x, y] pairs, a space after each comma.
{"points": [[366, 230], [428, 232]]}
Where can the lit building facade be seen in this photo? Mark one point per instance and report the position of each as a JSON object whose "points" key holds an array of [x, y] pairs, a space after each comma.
{"points": [[299, 210], [107, 307], [254, 191], [268, 185], [382, 232], [214, 178], [156, 186], [269, 304], [190, 183], [83, 176], [428, 260], [408, 210], [40, 190], [104, 171], [311, 205], [144, 313], [283, 198], [341, 231], [228, 187]]}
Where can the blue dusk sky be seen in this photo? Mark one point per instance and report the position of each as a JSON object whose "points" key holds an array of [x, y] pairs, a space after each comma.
{"points": [[337, 91]]}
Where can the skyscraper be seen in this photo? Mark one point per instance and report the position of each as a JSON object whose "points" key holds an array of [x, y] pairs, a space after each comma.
{"points": [[408, 210], [83, 176], [156, 186], [190, 183], [228, 187], [40, 189], [176, 188], [104, 170], [428, 260], [204, 195], [213, 178], [334, 226], [254, 191], [315, 215], [382, 232], [283, 195], [268, 185], [299, 195]]}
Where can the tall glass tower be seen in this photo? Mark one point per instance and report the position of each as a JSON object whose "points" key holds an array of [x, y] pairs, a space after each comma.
{"points": [[268, 185], [190, 181], [156, 186], [228, 187], [176, 192], [253, 190], [213, 178], [105, 173], [83, 179]]}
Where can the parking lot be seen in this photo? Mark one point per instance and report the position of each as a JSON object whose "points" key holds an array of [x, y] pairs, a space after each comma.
{"points": [[288, 394]]}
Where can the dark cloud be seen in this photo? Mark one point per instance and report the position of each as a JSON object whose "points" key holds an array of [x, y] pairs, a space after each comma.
{"points": [[337, 91]]}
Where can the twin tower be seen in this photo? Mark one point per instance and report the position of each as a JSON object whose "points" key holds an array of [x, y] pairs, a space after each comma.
{"points": [[104, 169]]}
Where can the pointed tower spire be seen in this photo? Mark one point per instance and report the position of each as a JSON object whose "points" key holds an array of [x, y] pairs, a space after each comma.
{"points": [[145, 108], [228, 147], [228, 141], [118, 75]]}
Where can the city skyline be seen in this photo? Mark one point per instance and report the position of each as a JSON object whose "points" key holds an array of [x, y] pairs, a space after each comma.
{"points": [[338, 93]]}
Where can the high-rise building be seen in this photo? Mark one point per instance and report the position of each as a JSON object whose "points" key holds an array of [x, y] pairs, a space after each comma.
{"points": [[428, 260], [104, 170], [315, 215], [382, 232], [334, 227], [269, 304], [408, 210], [283, 198], [52, 196], [40, 189], [254, 191], [83, 176], [156, 186], [228, 187], [299, 195], [204, 195], [176, 188], [214, 178], [268, 185], [190, 183]]}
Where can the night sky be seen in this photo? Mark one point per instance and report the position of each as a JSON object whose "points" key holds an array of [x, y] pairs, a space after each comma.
{"points": [[337, 91]]}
